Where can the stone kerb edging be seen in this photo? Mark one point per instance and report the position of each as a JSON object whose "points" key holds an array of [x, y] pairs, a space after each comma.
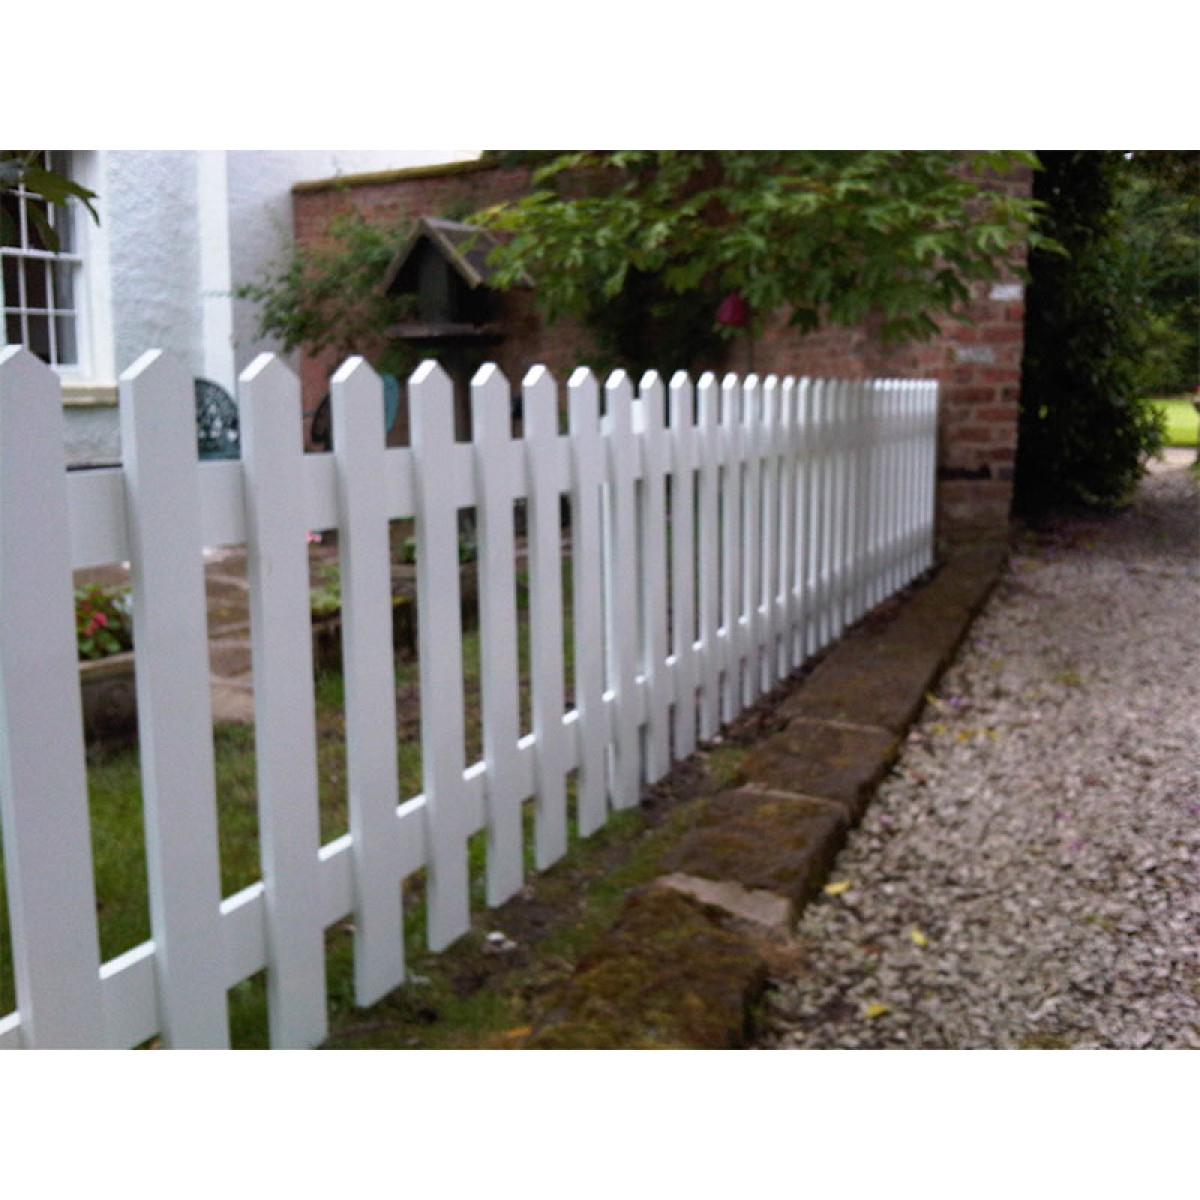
{"points": [[685, 962]]}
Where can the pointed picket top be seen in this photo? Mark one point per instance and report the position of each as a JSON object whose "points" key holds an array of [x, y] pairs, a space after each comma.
{"points": [[540, 403], [491, 396], [263, 366], [618, 396], [431, 402], [583, 401], [269, 385], [27, 379], [731, 386], [652, 395], [155, 393]]}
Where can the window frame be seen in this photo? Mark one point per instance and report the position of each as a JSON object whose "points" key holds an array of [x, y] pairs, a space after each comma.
{"points": [[61, 302]]}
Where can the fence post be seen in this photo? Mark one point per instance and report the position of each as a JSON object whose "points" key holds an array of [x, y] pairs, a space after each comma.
{"points": [[731, 547], [43, 782], [653, 584], [158, 439], [587, 586], [540, 399], [771, 519], [439, 630], [284, 705], [497, 484], [621, 609], [708, 557], [799, 490], [372, 777], [683, 463], [751, 625]]}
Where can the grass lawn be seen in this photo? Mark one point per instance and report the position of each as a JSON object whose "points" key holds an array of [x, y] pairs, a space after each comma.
{"points": [[1181, 420], [119, 861]]}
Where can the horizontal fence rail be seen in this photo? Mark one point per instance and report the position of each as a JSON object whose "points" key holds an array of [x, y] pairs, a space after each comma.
{"points": [[719, 534]]}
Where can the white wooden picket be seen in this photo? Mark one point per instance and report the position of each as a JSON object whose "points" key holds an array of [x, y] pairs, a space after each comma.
{"points": [[285, 727], [719, 534], [43, 787]]}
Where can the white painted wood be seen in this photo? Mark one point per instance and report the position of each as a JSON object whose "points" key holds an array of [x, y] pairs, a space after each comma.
{"points": [[840, 511], [653, 581], [499, 482], [896, 486], [799, 520], [284, 702], [786, 468], [708, 554], [731, 547], [621, 607], [929, 471], [43, 783], [750, 618], [174, 701], [859, 481], [875, 481], [817, 507], [587, 590], [356, 400], [683, 462], [439, 626], [772, 558], [542, 451]]}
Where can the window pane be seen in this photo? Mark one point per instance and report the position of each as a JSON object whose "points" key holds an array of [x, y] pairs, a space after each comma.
{"points": [[39, 337], [64, 327], [64, 285], [12, 329], [10, 293], [10, 221]]}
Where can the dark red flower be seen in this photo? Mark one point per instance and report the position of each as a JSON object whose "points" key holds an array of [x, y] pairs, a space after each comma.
{"points": [[733, 311]]}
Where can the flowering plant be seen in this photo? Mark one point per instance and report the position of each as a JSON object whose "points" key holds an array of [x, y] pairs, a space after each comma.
{"points": [[103, 621]]}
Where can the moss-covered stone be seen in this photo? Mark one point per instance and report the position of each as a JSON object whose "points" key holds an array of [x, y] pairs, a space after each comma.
{"points": [[665, 976], [764, 841], [825, 761], [872, 681]]}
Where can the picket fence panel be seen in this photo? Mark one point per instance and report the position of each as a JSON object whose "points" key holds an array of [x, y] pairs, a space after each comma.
{"points": [[720, 533]]}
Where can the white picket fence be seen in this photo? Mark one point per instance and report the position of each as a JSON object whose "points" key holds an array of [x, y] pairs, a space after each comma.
{"points": [[720, 534]]}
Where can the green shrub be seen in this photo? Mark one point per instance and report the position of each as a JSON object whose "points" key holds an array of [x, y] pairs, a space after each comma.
{"points": [[103, 621], [1085, 435]]}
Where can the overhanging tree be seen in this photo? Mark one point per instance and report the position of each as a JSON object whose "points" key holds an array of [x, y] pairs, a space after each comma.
{"points": [[1084, 432], [715, 243]]}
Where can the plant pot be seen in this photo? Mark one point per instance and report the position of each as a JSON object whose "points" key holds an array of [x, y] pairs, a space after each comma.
{"points": [[109, 696]]}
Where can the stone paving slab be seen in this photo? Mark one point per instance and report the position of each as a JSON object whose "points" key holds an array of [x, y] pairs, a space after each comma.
{"points": [[771, 841], [666, 976], [826, 760]]}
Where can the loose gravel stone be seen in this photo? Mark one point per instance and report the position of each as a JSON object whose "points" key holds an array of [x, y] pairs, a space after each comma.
{"points": [[1029, 873]]}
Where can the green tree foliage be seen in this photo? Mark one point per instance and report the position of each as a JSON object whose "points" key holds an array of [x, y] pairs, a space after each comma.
{"points": [[329, 295], [1158, 207], [1084, 436], [630, 241]]}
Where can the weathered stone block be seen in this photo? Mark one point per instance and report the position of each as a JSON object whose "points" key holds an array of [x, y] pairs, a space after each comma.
{"points": [[666, 976], [764, 841], [825, 761]]}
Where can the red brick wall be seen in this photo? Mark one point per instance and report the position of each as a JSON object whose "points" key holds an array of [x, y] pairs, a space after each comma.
{"points": [[978, 364]]}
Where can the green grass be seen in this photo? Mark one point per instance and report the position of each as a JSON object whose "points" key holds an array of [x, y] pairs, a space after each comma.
{"points": [[1180, 419], [119, 860]]}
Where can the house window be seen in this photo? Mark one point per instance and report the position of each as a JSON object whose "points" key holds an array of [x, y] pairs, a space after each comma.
{"points": [[38, 287]]}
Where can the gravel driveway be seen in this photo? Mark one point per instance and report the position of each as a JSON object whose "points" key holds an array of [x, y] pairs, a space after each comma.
{"points": [[1029, 875]]}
